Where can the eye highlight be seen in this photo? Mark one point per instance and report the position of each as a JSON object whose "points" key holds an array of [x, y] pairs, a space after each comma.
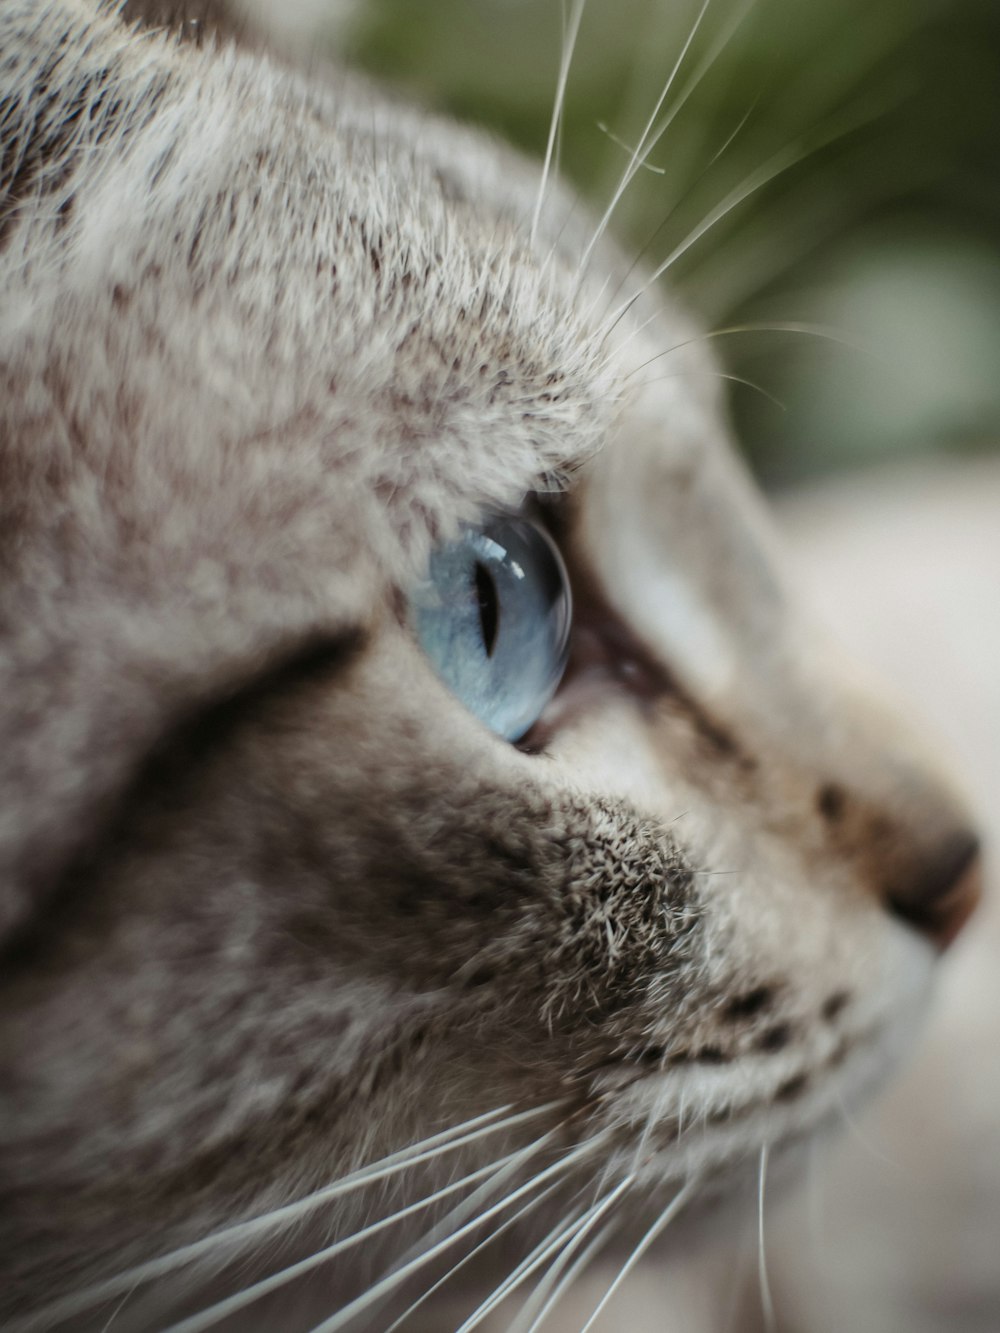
{"points": [[493, 616]]}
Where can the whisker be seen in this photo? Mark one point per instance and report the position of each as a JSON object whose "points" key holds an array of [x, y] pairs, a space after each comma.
{"points": [[643, 145], [786, 158], [117, 1310], [767, 1305], [774, 167], [488, 1240], [616, 139], [790, 225], [863, 1138], [720, 375], [579, 1266], [456, 1216], [537, 1256], [825, 331], [248, 1295], [661, 1223], [393, 1279], [569, 44], [690, 88], [567, 1234], [536, 1308], [685, 194], [240, 1233]]}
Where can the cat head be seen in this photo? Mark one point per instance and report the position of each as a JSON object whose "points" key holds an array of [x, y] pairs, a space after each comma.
{"points": [[275, 902]]}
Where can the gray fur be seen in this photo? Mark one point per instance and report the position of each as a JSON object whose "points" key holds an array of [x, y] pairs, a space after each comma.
{"points": [[273, 903]]}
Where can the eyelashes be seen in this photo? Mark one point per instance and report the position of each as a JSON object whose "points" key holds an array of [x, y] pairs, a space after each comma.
{"points": [[494, 617]]}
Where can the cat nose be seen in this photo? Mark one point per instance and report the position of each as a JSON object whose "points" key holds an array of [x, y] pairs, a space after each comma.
{"points": [[939, 897]]}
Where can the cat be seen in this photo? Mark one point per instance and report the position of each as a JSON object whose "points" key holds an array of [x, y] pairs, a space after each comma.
{"points": [[298, 951]]}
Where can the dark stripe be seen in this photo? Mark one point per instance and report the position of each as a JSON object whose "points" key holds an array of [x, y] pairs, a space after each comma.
{"points": [[185, 744]]}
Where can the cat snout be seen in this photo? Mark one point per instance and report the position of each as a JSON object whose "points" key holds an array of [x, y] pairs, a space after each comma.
{"points": [[938, 896], [913, 846]]}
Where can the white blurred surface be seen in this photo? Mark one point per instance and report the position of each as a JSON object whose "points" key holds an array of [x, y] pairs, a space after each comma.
{"points": [[906, 566], [897, 1227]]}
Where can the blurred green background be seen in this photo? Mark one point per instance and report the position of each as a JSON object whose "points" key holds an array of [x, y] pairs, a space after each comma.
{"points": [[885, 234]]}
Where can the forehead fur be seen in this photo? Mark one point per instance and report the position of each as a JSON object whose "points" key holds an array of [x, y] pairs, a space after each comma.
{"points": [[313, 264]]}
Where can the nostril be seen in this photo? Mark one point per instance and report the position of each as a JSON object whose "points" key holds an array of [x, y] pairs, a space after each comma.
{"points": [[940, 897]]}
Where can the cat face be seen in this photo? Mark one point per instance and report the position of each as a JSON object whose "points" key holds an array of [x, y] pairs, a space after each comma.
{"points": [[277, 903]]}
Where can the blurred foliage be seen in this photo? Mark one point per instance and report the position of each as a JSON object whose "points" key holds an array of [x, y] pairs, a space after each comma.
{"points": [[883, 229]]}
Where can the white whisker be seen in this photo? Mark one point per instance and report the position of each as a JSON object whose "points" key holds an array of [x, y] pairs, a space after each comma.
{"points": [[644, 144], [118, 1309], [767, 1305], [531, 1261], [569, 43], [646, 165], [241, 1233], [536, 1308], [713, 54], [764, 326], [734, 379], [394, 1278], [248, 1295], [689, 89], [581, 1263], [564, 1236], [488, 1240], [661, 1223], [730, 138], [470, 1205], [864, 1139], [750, 185], [457, 1215], [775, 166]]}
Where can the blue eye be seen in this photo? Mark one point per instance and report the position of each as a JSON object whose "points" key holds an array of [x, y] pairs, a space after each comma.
{"points": [[493, 616]]}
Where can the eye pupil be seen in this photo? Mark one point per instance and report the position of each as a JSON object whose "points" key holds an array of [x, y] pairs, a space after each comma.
{"points": [[489, 606]]}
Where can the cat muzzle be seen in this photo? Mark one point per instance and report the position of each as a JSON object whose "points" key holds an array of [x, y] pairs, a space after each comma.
{"points": [[941, 897]]}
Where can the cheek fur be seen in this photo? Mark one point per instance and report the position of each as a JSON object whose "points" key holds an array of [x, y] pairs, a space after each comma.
{"points": [[290, 940]]}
